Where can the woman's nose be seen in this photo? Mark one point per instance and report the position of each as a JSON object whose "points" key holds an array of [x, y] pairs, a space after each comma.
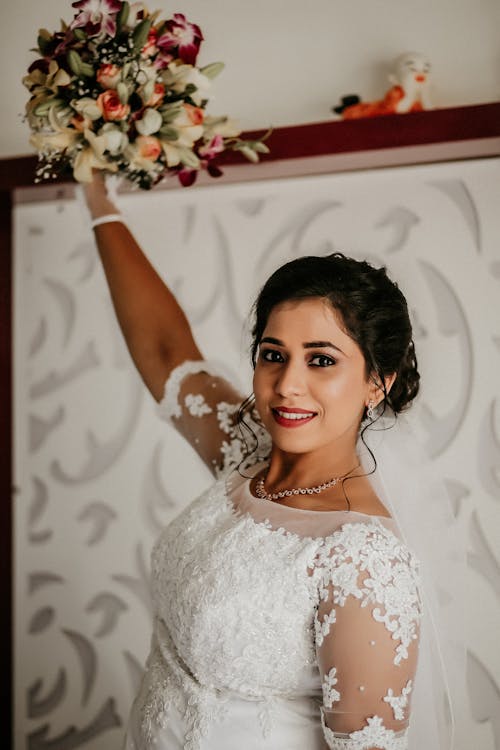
{"points": [[291, 381]]}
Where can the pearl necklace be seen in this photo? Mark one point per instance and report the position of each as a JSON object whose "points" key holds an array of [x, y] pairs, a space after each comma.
{"points": [[261, 491]]}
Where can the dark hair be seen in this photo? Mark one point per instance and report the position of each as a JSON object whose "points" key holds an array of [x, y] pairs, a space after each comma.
{"points": [[373, 313]]}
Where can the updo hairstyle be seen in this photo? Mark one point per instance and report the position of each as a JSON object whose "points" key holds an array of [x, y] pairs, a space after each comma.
{"points": [[373, 312]]}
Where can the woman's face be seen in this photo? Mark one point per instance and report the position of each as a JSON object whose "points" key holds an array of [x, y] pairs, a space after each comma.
{"points": [[310, 383]]}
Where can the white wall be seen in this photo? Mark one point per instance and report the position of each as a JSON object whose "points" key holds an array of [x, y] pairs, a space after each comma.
{"points": [[99, 474], [288, 61]]}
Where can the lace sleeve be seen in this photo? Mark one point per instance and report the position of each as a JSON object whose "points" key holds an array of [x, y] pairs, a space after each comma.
{"points": [[203, 406], [367, 632]]}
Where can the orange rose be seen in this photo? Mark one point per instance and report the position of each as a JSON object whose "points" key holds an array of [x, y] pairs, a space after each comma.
{"points": [[108, 76], [148, 147], [111, 107], [157, 96], [195, 114]]}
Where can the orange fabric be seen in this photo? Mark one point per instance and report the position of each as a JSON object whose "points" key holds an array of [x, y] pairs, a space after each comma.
{"points": [[385, 106]]}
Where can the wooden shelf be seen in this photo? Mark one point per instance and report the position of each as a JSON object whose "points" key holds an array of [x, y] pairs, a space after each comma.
{"points": [[434, 135]]}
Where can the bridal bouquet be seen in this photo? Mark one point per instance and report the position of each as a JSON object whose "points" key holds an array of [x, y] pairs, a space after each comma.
{"points": [[119, 90]]}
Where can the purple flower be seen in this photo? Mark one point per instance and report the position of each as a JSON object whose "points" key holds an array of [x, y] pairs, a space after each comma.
{"points": [[96, 16], [182, 36]]}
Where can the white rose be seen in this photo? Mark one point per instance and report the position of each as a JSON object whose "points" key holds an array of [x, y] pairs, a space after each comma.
{"points": [[114, 140], [150, 122]]}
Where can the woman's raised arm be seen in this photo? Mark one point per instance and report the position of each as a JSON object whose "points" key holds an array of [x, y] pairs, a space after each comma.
{"points": [[200, 403], [156, 330]]}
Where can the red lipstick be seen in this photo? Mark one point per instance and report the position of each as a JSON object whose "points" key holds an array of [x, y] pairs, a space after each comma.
{"points": [[288, 417]]}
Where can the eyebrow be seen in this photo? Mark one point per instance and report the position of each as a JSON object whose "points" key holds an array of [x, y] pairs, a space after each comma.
{"points": [[306, 345]]}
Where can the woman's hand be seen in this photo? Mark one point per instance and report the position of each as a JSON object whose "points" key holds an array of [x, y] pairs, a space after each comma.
{"points": [[96, 196]]}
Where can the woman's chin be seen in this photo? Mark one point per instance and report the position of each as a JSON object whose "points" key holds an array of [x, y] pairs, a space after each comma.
{"points": [[292, 443]]}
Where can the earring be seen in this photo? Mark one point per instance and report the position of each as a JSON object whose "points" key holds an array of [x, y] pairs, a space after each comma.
{"points": [[370, 413]]}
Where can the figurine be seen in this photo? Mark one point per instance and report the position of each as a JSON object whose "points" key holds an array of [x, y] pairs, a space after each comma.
{"points": [[409, 93]]}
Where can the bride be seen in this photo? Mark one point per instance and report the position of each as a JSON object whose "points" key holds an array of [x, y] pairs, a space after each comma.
{"points": [[290, 610]]}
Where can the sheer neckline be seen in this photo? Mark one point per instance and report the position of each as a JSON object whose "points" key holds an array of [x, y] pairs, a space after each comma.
{"points": [[251, 472]]}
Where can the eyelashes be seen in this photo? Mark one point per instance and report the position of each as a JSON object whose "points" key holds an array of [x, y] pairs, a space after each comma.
{"points": [[316, 360], [325, 359]]}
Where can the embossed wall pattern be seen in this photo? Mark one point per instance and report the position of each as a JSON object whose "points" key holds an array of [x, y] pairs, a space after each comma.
{"points": [[99, 474]]}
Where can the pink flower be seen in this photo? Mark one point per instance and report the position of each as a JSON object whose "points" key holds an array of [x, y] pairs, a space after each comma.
{"points": [[108, 76], [111, 107], [162, 60], [182, 36], [212, 149], [148, 147], [96, 16]]}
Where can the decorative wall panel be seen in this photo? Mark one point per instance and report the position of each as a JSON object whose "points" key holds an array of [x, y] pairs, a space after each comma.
{"points": [[98, 474]]}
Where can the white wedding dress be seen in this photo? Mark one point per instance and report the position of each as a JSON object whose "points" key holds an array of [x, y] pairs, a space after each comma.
{"points": [[276, 628]]}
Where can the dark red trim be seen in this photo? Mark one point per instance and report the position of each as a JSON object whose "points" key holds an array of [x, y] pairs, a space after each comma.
{"points": [[389, 131], [6, 566], [474, 122]]}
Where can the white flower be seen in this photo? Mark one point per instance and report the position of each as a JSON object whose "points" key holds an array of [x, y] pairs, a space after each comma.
{"points": [[150, 122], [376, 735], [321, 629], [197, 406], [86, 161], [146, 73], [330, 695], [110, 139], [346, 583], [399, 702], [225, 417], [135, 9], [177, 77], [87, 107], [224, 126], [46, 142]]}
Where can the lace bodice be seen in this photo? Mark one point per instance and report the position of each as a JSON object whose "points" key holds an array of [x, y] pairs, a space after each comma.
{"points": [[264, 601]]}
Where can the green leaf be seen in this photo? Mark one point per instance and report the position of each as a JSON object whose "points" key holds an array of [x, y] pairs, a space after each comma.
{"points": [[212, 71], [190, 89], [122, 17], [42, 109], [122, 90], [147, 91], [86, 69], [168, 134], [248, 153], [140, 34], [79, 34], [169, 113], [74, 62], [260, 147], [188, 158], [43, 44]]}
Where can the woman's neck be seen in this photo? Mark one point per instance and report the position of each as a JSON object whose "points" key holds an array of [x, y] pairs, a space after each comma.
{"points": [[290, 470]]}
